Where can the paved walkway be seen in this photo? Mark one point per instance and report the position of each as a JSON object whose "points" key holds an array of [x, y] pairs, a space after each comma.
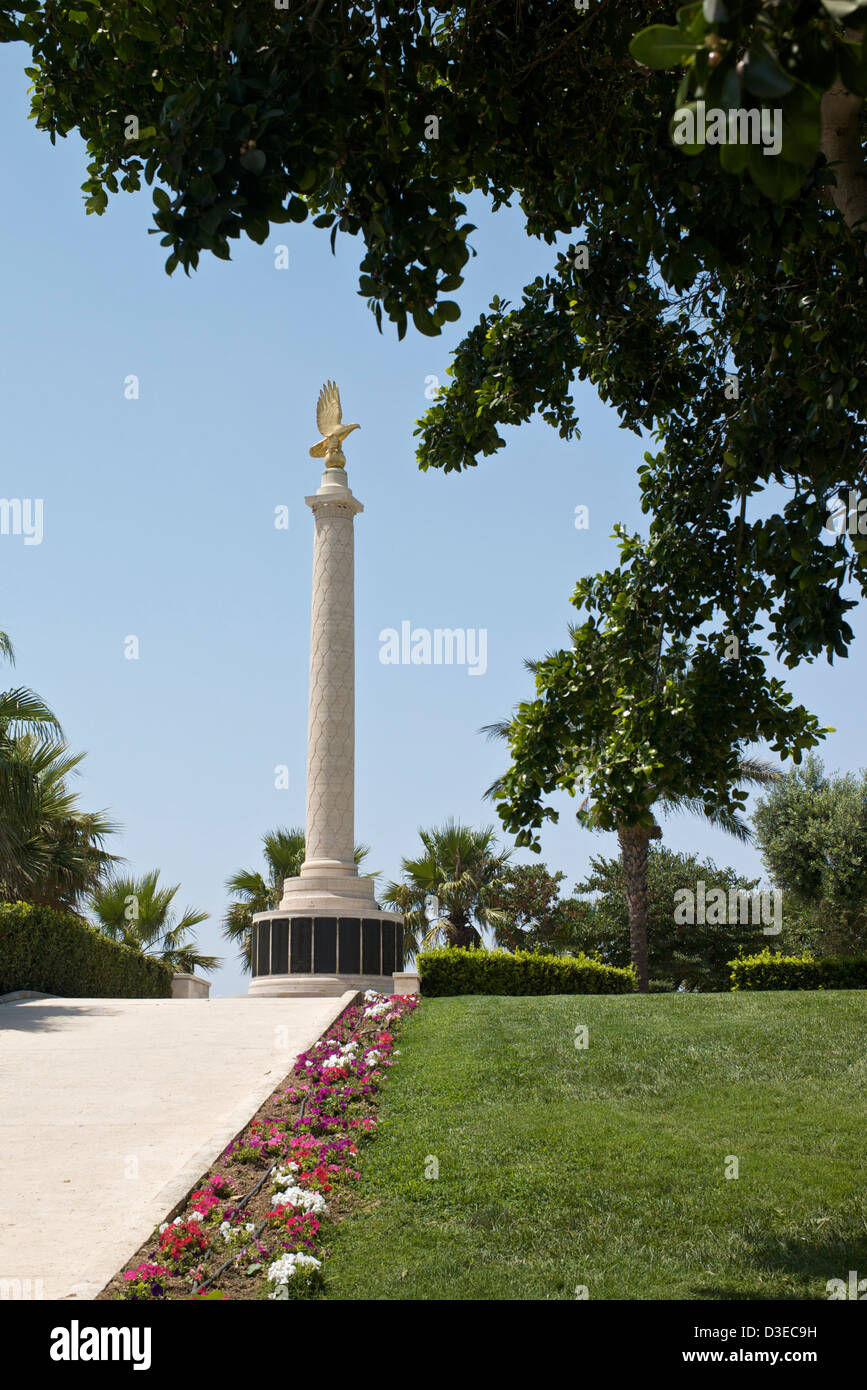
{"points": [[111, 1109]]}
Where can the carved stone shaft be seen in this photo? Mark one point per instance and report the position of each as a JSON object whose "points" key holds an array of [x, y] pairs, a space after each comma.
{"points": [[330, 829]]}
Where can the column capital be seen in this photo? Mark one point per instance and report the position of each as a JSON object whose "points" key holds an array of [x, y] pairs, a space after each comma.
{"points": [[334, 489], [334, 503]]}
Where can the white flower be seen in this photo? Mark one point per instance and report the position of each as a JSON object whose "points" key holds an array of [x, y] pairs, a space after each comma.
{"points": [[372, 1057], [281, 1176], [301, 1198], [284, 1269], [196, 1216]]}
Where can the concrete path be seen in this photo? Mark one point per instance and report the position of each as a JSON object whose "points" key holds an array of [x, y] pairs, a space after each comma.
{"points": [[111, 1109]]}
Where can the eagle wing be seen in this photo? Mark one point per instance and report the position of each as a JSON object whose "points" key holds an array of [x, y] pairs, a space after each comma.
{"points": [[328, 409]]}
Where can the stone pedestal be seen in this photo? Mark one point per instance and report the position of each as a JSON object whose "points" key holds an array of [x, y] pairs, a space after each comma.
{"points": [[407, 982], [186, 986], [329, 934]]}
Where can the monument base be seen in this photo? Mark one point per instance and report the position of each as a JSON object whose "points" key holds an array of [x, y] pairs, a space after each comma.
{"points": [[325, 951], [318, 986]]}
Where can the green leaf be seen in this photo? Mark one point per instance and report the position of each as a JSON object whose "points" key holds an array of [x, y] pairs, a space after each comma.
{"points": [[853, 67], [802, 127], [424, 323], [691, 21], [763, 75], [731, 90], [661, 46], [773, 175]]}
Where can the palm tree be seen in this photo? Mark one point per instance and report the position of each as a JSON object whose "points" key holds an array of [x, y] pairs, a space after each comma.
{"points": [[634, 840], [138, 913], [59, 855], [255, 892], [21, 713], [50, 851], [457, 869]]}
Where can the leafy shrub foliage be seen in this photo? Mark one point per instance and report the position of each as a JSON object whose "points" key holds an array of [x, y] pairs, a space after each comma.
{"points": [[58, 953], [767, 971], [451, 970]]}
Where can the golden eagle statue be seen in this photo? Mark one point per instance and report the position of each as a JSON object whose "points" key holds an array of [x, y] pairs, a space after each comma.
{"points": [[329, 415]]}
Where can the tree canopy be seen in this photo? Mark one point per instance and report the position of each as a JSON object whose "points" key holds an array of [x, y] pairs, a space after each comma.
{"points": [[694, 265], [632, 716], [692, 956], [812, 831]]}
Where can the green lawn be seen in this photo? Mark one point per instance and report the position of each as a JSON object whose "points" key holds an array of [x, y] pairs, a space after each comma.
{"points": [[606, 1167]]}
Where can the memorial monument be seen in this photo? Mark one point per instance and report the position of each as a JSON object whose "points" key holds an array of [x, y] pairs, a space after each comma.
{"points": [[329, 934]]}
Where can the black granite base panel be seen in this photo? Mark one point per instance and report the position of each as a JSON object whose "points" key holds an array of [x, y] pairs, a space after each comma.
{"points": [[349, 946], [327, 946]]}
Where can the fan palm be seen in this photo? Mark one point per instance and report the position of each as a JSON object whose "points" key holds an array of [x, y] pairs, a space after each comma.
{"points": [[455, 873], [21, 713], [60, 854], [255, 892], [137, 912]]}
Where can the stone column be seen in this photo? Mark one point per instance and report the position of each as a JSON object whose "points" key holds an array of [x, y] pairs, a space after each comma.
{"points": [[330, 827], [329, 935]]}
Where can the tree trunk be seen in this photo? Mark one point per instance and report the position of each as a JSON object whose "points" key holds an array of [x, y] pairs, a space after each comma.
{"points": [[841, 146], [634, 842], [461, 932]]}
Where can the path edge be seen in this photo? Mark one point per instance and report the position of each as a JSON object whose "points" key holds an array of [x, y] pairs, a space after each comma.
{"points": [[173, 1195]]}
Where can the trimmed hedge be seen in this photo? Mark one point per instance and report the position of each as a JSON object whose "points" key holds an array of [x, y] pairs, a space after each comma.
{"points": [[767, 971], [450, 970], [57, 953]]}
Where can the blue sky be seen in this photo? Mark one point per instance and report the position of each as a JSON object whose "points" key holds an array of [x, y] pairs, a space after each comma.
{"points": [[159, 523]]}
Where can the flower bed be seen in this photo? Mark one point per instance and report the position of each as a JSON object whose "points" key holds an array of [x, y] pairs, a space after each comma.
{"points": [[256, 1227]]}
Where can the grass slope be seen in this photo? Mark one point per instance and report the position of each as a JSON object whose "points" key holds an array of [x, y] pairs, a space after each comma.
{"points": [[606, 1167]]}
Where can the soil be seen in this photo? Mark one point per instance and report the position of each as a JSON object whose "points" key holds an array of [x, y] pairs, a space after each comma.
{"points": [[281, 1111]]}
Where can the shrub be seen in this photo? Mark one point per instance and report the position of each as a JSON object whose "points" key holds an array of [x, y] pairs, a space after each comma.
{"points": [[767, 971], [58, 953], [456, 970]]}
